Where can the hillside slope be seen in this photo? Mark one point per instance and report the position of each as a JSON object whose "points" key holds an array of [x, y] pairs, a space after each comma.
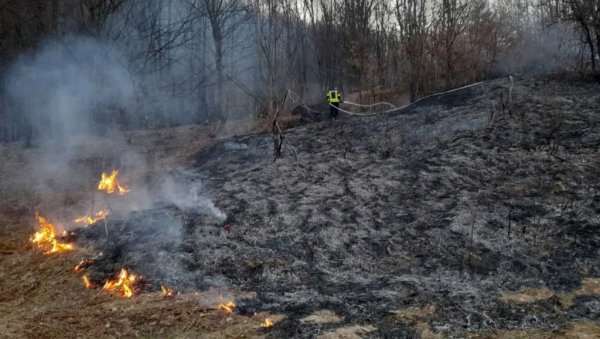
{"points": [[445, 204], [452, 218]]}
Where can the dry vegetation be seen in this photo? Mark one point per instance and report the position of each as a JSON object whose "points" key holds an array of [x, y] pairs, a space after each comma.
{"points": [[451, 203], [42, 297], [471, 214], [442, 222]]}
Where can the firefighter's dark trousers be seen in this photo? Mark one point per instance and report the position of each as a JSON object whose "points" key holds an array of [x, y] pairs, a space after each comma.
{"points": [[333, 110]]}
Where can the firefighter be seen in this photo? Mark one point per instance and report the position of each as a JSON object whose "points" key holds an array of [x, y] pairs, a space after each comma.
{"points": [[334, 98]]}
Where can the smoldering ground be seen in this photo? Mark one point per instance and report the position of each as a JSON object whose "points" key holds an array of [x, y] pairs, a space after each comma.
{"points": [[442, 209], [79, 94], [410, 223], [67, 90], [74, 92], [148, 240], [320, 228]]}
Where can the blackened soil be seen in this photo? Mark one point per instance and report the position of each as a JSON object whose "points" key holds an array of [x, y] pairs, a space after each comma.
{"points": [[448, 205]]}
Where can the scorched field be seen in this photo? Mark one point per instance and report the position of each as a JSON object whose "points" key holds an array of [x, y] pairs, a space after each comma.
{"points": [[465, 215]]}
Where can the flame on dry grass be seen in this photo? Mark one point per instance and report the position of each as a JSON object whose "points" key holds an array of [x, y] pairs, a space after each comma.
{"points": [[110, 183], [45, 238], [228, 307], [83, 264], [91, 219], [86, 282], [123, 285], [166, 291], [267, 323], [122, 189]]}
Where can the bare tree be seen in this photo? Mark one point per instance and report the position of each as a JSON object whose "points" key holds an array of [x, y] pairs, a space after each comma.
{"points": [[94, 13], [584, 15], [452, 20], [224, 18], [356, 18], [270, 21], [414, 29]]}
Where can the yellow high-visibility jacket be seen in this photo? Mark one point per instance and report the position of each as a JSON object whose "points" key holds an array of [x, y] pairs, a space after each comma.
{"points": [[334, 96]]}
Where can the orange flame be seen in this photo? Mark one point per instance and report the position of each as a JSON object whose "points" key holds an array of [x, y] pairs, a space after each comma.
{"points": [[45, 238], [122, 285], [79, 266], [109, 183], [82, 265], [88, 220], [87, 283], [228, 307], [267, 323], [122, 189], [166, 291]]}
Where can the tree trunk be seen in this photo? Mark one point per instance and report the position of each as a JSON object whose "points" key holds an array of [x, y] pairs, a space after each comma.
{"points": [[590, 43], [218, 41], [597, 43], [219, 65]]}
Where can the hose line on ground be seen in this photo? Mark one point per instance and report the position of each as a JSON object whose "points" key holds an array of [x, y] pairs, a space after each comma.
{"points": [[394, 109]]}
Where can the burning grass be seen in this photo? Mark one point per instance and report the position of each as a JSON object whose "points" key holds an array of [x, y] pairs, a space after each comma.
{"points": [[92, 219], [124, 285], [83, 264], [167, 292], [46, 300], [110, 184], [46, 238], [86, 282], [42, 304], [227, 307]]}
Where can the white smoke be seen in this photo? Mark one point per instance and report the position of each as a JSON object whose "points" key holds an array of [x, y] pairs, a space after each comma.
{"points": [[77, 91], [70, 86], [187, 194]]}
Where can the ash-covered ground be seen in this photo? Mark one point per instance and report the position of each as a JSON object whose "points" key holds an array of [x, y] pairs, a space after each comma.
{"points": [[441, 208]]}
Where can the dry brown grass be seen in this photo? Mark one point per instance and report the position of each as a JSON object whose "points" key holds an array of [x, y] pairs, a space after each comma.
{"points": [[425, 332], [322, 317], [42, 297], [349, 332], [527, 295], [575, 330], [514, 334], [582, 330], [414, 313], [589, 286], [416, 316]]}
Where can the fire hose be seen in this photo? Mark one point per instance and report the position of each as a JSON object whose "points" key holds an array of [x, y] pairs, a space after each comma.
{"points": [[369, 106], [393, 109]]}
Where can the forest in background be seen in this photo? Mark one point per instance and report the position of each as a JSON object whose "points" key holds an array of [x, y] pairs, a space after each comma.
{"points": [[91, 65]]}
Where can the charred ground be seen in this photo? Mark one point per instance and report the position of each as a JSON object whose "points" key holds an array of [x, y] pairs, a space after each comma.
{"points": [[443, 208], [448, 203], [456, 217]]}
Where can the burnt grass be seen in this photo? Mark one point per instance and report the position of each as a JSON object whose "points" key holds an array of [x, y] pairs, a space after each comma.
{"points": [[448, 202]]}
